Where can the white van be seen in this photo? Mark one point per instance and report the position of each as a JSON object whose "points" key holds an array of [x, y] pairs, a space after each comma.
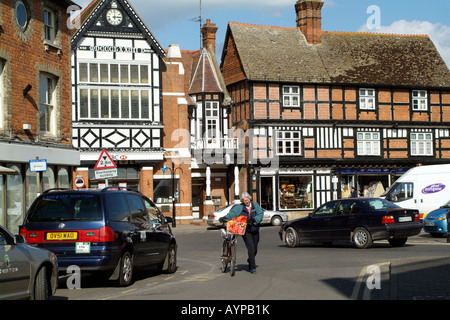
{"points": [[425, 188]]}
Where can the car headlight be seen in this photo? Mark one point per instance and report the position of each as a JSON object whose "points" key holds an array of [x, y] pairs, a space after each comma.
{"points": [[442, 217]]}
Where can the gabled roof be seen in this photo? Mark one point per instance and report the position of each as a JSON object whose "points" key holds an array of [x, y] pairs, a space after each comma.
{"points": [[203, 77], [96, 8], [283, 55]]}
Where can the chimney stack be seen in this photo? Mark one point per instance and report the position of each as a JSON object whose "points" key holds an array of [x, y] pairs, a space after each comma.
{"points": [[209, 35], [309, 19]]}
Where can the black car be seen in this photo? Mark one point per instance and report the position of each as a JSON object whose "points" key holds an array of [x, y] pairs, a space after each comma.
{"points": [[111, 230], [360, 220]]}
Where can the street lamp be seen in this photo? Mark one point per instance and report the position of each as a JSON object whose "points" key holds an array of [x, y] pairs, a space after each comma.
{"points": [[164, 169]]}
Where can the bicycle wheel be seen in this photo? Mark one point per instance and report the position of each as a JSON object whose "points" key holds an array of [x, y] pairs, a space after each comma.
{"points": [[233, 258], [224, 256]]}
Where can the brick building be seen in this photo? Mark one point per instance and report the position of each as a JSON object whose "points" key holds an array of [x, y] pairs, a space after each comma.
{"points": [[325, 110], [35, 97]]}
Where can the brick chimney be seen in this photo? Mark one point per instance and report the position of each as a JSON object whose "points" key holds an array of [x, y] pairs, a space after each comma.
{"points": [[309, 19], [209, 34]]}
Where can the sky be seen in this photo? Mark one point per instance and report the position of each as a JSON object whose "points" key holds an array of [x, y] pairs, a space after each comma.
{"points": [[177, 21]]}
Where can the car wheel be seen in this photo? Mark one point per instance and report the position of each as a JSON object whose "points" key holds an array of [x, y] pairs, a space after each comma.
{"points": [[397, 242], [276, 221], [292, 238], [362, 238], [40, 285], [126, 270], [171, 259]]}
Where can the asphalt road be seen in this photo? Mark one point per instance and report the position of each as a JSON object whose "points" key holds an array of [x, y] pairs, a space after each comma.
{"points": [[309, 272]]}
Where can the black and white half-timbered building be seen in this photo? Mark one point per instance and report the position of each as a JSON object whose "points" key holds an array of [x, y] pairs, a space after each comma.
{"points": [[117, 94]]}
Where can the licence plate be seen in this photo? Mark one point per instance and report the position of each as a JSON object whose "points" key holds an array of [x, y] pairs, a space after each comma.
{"points": [[57, 236], [429, 224], [404, 219], [83, 247]]}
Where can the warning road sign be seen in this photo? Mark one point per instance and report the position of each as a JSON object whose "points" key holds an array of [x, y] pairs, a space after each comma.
{"points": [[105, 161]]}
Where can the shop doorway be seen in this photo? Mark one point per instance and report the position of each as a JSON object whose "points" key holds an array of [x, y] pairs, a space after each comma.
{"points": [[198, 194], [267, 193]]}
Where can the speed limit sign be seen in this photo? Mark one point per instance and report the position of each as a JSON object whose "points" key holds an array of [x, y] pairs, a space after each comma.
{"points": [[79, 182]]}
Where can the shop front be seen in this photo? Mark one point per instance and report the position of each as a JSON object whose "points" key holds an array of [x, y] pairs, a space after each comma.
{"points": [[294, 189]]}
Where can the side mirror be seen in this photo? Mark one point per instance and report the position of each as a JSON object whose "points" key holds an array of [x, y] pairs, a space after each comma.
{"points": [[19, 239]]}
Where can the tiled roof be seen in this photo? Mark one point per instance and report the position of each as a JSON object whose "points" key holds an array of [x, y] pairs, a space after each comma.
{"points": [[283, 55]]}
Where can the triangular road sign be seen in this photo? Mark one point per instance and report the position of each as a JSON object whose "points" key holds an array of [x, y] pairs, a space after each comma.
{"points": [[105, 161]]}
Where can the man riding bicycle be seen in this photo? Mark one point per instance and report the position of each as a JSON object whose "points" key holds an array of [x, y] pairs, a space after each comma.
{"points": [[254, 215]]}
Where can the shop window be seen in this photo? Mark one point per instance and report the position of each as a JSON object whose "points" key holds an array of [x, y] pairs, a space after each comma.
{"points": [[14, 201], [63, 178], [32, 187], [296, 192], [163, 190], [2, 202]]}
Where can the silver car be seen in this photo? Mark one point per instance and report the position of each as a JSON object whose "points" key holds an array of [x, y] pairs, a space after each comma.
{"points": [[26, 272], [275, 218]]}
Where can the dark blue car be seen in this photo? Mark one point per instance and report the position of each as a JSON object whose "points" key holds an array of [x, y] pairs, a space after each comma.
{"points": [[435, 222], [111, 230]]}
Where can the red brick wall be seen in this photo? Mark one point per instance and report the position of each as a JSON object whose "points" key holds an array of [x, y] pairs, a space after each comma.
{"points": [[25, 56]]}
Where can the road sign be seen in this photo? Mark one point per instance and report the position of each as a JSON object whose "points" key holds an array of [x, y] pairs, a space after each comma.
{"points": [[106, 173], [105, 161], [164, 168], [38, 165], [79, 182]]}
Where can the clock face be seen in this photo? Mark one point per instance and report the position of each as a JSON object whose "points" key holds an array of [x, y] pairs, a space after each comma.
{"points": [[114, 17]]}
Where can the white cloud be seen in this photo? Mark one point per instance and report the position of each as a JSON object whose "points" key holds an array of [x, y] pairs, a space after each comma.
{"points": [[438, 33]]}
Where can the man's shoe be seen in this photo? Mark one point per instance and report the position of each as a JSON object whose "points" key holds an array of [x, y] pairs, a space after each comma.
{"points": [[253, 270]]}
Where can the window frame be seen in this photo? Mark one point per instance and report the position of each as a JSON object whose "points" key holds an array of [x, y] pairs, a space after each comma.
{"points": [[426, 144], [50, 28], [368, 146], [291, 95], [49, 104], [418, 102], [288, 143], [364, 98]]}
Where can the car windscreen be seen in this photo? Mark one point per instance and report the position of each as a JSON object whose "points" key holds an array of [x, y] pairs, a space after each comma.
{"points": [[66, 207], [379, 204]]}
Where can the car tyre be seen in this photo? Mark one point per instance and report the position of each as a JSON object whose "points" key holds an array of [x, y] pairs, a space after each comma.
{"points": [[292, 238], [276, 221], [362, 238], [126, 270], [397, 242], [40, 285], [171, 259]]}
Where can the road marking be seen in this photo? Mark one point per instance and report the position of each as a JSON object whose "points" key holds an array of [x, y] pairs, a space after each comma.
{"points": [[128, 291]]}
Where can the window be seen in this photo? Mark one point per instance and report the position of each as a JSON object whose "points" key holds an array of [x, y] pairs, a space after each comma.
{"points": [[21, 15], [368, 143], [347, 207], [367, 99], [212, 121], [125, 92], [421, 144], [400, 191], [296, 192], [419, 98], [49, 25], [2, 64], [47, 104], [163, 190], [291, 96], [326, 210], [288, 143]]}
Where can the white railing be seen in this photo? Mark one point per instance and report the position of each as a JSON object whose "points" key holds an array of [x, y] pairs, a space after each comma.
{"points": [[221, 143]]}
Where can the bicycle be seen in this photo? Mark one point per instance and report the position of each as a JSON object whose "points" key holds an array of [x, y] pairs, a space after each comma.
{"points": [[229, 244]]}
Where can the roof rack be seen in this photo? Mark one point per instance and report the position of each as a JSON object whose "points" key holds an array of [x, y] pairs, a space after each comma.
{"points": [[119, 188], [57, 189]]}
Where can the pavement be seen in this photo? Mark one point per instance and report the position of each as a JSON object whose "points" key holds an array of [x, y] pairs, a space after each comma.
{"points": [[405, 279]]}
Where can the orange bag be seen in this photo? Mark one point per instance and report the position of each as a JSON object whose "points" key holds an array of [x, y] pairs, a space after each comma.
{"points": [[237, 225]]}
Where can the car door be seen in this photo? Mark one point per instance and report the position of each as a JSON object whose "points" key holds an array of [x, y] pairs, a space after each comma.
{"points": [[161, 234], [341, 223], [318, 226], [15, 268], [142, 235]]}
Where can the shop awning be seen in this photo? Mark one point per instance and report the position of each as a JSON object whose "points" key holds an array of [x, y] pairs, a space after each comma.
{"points": [[4, 170]]}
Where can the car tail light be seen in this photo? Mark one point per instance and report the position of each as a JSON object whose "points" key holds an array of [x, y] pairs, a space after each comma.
{"points": [[106, 234], [388, 219], [417, 217]]}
